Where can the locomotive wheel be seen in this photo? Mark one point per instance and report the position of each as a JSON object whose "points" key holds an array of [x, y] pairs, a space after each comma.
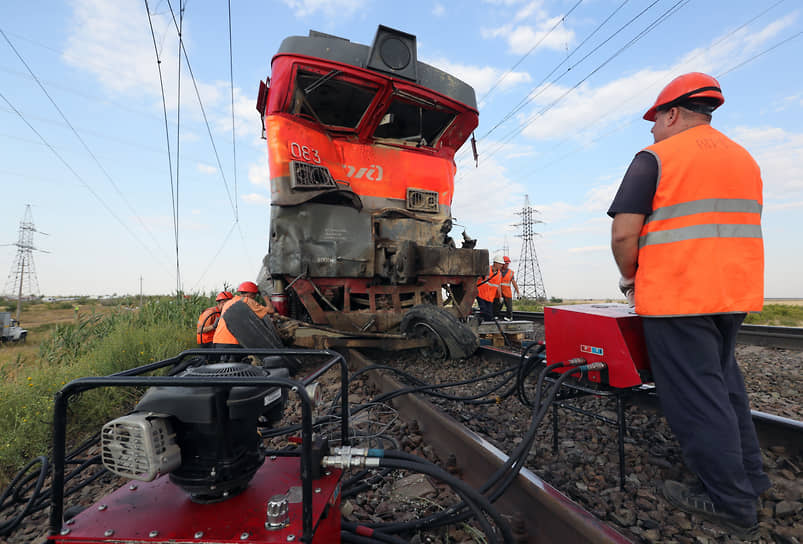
{"points": [[457, 340], [436, 348]]}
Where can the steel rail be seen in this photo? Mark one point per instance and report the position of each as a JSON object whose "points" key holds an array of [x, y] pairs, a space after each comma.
{"points": [[752, 335], [772, 430], [547, 514]]}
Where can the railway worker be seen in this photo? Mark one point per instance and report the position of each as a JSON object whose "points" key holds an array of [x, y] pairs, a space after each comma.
{"points": [[207, 322], [489, 288], [233, 314], [686, 237], [507, 293]]}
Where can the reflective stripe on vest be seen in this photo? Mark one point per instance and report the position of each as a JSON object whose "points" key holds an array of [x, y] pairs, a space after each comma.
{"points": [[701, 250], [487, 290]]}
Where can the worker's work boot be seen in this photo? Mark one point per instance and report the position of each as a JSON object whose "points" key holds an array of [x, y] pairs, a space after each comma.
{"points": [[695, 499]]}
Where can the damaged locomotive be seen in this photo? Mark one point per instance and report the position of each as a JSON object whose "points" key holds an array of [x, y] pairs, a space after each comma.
{"points": [[361, 144]]}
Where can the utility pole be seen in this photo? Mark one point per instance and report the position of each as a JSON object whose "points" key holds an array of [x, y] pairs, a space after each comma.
{"points": [[528, 275], [22, 276]]}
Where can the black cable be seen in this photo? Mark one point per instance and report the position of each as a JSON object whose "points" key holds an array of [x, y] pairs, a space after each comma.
{"points": [[375, 535], [8, 526], [473, 499]]}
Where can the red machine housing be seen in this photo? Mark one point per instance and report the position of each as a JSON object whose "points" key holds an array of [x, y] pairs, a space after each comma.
{"points": [[610, 333], [161, 512]]}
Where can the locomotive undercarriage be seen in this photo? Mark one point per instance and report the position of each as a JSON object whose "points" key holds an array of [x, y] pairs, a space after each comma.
{"points": [[357, 275]]}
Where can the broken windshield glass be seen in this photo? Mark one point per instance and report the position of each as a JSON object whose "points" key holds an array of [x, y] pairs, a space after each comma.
{"points": [[330, 100]]}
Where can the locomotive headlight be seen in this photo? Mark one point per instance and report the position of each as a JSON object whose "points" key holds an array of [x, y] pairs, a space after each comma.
{"points": [[140, 446]]}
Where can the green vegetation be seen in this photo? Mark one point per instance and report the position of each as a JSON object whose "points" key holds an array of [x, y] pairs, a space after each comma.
{"points": [[778, 315], [96, 345]]}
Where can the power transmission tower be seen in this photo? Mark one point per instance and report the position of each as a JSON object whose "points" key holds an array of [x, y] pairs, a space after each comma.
{"points": [[22, 276], [528, 275]]}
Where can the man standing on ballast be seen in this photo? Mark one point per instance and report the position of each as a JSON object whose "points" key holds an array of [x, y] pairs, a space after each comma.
{"points": [[686, 237]]}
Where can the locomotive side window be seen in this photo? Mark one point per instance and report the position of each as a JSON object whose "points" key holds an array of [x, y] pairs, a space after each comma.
{"points": [[413, 123], [329, 100]]}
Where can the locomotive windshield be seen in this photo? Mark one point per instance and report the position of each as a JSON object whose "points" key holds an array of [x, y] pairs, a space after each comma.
{"points": [[330, 100], [414, 122]]}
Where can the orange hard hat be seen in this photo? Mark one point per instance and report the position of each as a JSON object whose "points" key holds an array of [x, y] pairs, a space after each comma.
{"points": [[223, 295], [684, 88], [506, 258], [248, 287]]}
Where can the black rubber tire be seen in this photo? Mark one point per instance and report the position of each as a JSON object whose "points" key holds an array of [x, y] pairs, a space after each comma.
{"points": [[253, 332], [459, 339]]}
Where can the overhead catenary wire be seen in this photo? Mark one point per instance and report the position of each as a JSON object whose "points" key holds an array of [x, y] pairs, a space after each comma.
{"points": [[203, 112], [544, 165], [167, 135], [81, 180], [531, 119], [528, 53], [78, 137]]}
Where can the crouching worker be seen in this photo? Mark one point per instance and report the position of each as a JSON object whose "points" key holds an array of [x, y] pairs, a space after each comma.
{"points": [[241, 322], [207, 322]]}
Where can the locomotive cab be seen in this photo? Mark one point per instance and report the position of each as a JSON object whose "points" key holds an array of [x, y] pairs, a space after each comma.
{"points": [[361, 144]]}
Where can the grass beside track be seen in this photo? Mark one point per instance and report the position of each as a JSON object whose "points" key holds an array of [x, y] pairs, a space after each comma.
{"points": [[95, 344]]}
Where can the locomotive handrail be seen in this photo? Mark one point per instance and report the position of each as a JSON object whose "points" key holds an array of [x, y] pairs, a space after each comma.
{"points": [[131, 377]]}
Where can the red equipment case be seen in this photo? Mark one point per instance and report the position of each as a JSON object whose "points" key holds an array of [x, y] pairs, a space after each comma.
{"points": [[610, 333], [161, 512]]}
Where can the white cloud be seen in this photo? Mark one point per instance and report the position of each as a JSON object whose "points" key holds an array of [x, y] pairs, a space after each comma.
{"points": [[481, 78], [258, 175], [583, 113], [588, 249], [438, 10], [331, 8], [205, 168], [255, 198], [778, 154]]}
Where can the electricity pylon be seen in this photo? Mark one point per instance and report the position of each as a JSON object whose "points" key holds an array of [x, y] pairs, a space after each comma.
{"points": [[22, 276], [528, 275]]}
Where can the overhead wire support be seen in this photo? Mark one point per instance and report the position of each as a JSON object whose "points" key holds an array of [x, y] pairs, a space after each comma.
{"points": [[528, 274], [22, 279]]}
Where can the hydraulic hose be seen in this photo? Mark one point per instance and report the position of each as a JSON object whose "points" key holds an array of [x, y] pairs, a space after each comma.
{"points": [[477, 502], [8, 526]]}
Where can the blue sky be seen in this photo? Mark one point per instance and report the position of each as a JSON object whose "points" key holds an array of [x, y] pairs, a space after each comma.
{"points": [[584, 71]]}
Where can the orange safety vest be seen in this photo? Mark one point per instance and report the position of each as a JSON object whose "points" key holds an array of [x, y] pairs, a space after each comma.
{"points": [[487, 290], [701, 250], [507, 278], [222, 333], [208, 317]]}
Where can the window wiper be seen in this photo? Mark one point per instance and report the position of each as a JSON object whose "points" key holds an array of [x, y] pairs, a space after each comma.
{"points": [[320, 81]]}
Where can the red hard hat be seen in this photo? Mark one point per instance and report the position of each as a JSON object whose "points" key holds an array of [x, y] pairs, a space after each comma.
{"points": [[684, 88], [248, 287], [506, 258], [223, 295]]}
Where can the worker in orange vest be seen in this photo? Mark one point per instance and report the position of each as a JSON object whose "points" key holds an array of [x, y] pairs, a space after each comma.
{"points": [[506, 292], [489, 288], [687, 240], [207, 322], [246, 297]]}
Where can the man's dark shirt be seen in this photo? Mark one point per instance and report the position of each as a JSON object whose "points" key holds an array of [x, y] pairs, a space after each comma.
{"points": [[637, 190]]}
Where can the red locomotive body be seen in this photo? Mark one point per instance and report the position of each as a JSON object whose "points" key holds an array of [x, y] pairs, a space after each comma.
{"points": [[361, 143]]}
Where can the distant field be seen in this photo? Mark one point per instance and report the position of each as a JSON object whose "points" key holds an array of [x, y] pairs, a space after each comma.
{"points": [[40, 319]]}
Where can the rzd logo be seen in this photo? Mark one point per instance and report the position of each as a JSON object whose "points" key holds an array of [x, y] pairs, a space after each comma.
{"points": [[374, 173]]}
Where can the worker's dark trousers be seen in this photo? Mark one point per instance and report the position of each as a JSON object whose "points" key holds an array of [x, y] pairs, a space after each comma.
{"points": [[486, 309], [702, 394]]}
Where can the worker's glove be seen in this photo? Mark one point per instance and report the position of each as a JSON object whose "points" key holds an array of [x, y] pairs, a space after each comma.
{"points": [[628, 288]]}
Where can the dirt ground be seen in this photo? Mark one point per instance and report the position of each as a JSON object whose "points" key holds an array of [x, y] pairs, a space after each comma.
{"points": [[38, 320]]}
